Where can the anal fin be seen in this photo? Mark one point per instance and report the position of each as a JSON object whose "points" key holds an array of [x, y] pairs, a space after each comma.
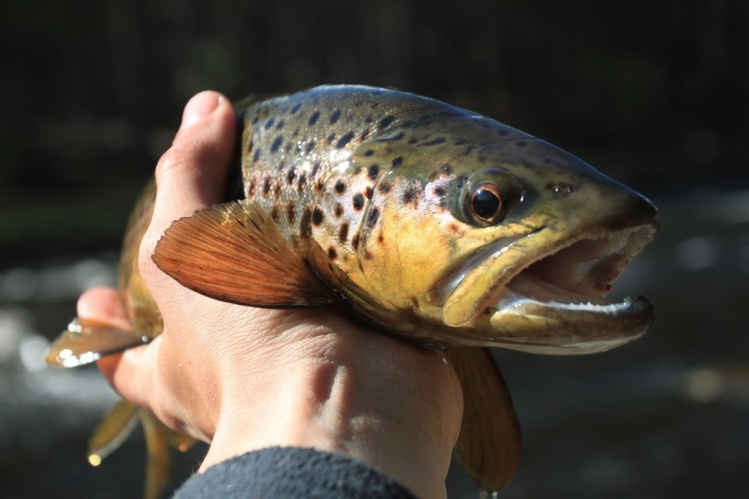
{"points": [[112, 431], [490, 443]]}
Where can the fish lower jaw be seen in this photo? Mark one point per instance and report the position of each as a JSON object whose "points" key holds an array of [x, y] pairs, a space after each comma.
{"points": [[558, 303]]}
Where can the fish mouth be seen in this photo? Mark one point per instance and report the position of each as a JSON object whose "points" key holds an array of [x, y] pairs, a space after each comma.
{"points": [[553, 299]]}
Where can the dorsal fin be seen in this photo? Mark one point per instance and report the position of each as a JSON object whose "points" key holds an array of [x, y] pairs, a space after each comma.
{"points": [[234, 252]]}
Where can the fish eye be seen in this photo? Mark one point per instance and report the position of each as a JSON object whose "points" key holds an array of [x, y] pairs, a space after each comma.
{"points": [[486, 203], [489, 196]]}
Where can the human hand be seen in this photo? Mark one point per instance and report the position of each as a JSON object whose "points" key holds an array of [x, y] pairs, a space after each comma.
{"points": [[244, 378]]}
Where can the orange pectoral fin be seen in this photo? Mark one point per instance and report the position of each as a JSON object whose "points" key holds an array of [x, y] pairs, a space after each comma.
{"points": [[234, 252], [88, 340], [489, 444]]}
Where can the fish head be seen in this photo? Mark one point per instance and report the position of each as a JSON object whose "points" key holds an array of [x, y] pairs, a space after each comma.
{"points": [[501, 239]]}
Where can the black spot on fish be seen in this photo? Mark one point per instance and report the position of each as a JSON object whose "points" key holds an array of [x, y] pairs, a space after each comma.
{"points": [[369, 152], [296, 132], [277, 190], [338, 210], [276, 144], [364, 135], [310, 146], [387, 120], [304, 226], [368, 192], [281, 165], [280, 125], [315, 169], [345, 140], [266, 186], [521, 143], [291, 175], [380, 239], [355, 242], [410, 195], [291, 212], [340, 187], [313, 119], [317, 216], [330, 138], [318, 185], [256, 156], [460, 142], [434, 142], [447, 169], [295, 108], [368, 119], [255, 119], [332, 254], [274, 214], [358, 202], [302, 181], [439, 191], [372, 217], [413, 141], [343, 233], [334, 117], [384, 187], [269, 123], [397, 161], [373, 171], [251, 188]]}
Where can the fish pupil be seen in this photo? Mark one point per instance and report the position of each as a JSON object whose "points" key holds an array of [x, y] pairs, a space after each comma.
{"points": [[485, 203]]}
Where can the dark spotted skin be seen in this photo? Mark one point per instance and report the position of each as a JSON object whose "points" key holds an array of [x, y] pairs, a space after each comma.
{"points": [[324, 161]]}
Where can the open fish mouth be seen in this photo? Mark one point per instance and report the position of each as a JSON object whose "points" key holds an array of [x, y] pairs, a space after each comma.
{"points": [[581, 274], [551, 297]]}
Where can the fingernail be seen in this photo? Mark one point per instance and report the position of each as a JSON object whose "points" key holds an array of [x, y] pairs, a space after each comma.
{"points": [[198, 108]]}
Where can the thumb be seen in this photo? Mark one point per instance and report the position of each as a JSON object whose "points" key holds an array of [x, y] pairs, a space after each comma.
{"points": [[190, 176]]}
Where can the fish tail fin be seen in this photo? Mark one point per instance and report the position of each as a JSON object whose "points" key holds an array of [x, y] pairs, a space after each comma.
{"points": [[489, 444]]}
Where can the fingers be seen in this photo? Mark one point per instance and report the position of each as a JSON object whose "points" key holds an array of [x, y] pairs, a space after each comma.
{"points": [[103, 303]]}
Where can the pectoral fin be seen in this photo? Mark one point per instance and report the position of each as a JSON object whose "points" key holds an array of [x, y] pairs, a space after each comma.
{"points": [[87, 340], [489, 444], [234, 252]]}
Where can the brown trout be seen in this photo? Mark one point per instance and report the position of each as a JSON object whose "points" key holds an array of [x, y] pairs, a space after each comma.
{"points": [[429, 222]]}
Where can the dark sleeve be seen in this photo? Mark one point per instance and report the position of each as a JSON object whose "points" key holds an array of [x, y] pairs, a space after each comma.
{"points": [[290, 472]]}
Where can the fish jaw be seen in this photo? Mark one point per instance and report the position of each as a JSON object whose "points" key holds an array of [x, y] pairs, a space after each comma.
{"points": [[546, 292]]}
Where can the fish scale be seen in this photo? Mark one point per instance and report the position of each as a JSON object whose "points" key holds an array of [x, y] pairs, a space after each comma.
{"points": [[303, 172]]}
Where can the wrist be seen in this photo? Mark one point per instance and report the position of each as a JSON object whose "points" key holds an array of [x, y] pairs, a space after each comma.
{"points": [[363, 403]]}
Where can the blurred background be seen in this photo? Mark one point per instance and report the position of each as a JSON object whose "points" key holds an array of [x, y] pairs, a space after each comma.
{"points": [[651, 93]]}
